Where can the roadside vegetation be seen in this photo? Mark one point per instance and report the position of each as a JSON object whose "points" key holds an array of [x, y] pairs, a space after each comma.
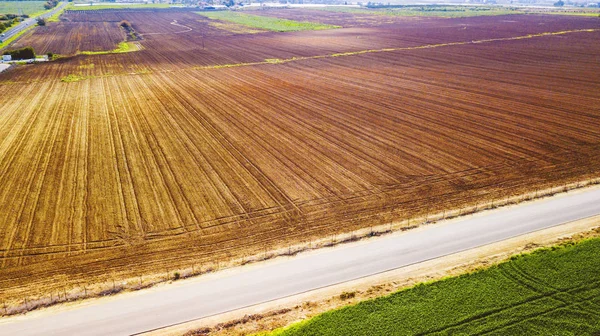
{"points": [[264, 22], [4, 43], [9, 20], [50, 4], [55, 16], [548, 292]]}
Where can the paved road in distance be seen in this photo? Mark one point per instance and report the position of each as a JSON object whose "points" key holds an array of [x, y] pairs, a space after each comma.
{"points": [[28, 22]]}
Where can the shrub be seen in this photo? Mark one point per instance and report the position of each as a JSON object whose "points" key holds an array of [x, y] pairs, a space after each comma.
{"points": [[19, 54], [41, 22], [50, 4], [125, 24], [177, 276], [347, 295]]}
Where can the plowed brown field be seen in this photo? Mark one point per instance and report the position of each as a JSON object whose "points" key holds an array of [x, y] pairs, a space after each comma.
{"points": [[165, 157], [68, 38]]}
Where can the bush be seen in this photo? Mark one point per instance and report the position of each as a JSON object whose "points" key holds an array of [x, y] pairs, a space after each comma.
{"points": [[19, 54], [50, 4], [347, 295], [41, 22], [177, 276]]}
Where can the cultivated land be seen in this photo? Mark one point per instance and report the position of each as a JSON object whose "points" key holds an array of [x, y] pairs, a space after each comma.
{"points": [[88, 36], [549, 292], [208, 145]]}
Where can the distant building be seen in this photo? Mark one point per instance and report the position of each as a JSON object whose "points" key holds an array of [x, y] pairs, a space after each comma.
{"points": [[6, 58]]}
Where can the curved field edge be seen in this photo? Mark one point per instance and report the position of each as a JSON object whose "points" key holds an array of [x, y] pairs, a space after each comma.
{"points": [[550, 291], [264, 22]]}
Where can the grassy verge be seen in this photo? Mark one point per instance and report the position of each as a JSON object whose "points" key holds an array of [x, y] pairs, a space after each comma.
{"points": [[263, 22], [552, 291], [16, 36], [123, 47], [54, 18], [430, 10], [43, 10], [110, 6]]}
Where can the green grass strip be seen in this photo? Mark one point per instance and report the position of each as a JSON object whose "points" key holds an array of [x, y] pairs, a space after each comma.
{"points": [[548, 292], [123, 47], [264, 22], [55, 16], [430, 11], [16, 36]]}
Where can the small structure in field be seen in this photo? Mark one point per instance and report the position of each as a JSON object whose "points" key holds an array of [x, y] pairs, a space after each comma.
{"points": [[6, 58]]}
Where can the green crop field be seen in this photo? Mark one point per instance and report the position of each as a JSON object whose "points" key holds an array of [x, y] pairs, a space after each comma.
{"points": [[431, 10], [549, 292], [27, 7], [264, 22]]}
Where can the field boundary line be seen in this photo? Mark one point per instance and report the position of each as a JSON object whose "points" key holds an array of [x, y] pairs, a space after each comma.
{"points": [[370, 51], [274, 61]]}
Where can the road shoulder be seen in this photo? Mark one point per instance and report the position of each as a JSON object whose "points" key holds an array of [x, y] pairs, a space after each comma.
{"points": [[279, 313]]}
